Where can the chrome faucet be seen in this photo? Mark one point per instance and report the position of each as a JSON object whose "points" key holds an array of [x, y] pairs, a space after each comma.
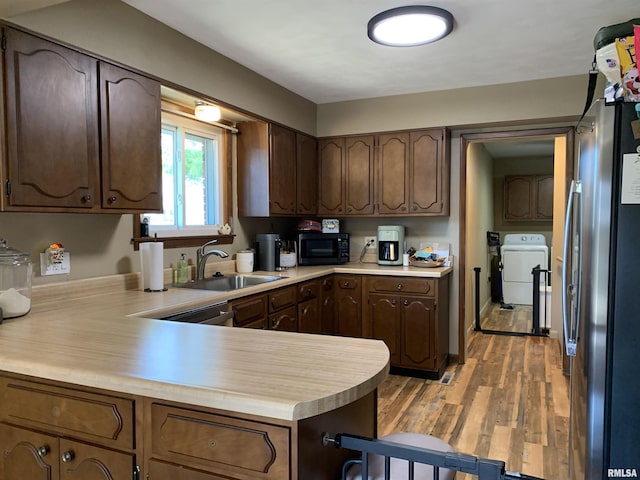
{"points": [[202, 256]]}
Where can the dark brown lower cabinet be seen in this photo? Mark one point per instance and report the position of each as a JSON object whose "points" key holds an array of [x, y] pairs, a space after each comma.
{"points": [[348, 305], [250, 311], [286, 320], [54, 433], [328, 305], [309, 311], [171, 441], [309, 316], [411, 316], [34, 455]]}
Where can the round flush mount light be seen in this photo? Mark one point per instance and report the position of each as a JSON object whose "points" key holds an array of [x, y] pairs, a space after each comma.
{"points": [[207, 113], [410, 26]]}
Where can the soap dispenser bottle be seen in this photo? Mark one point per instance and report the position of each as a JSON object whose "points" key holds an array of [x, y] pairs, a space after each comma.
{"points": [[183, 269]]}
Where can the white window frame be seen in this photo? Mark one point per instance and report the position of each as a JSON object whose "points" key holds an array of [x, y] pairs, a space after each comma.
{"points": [[184, 126]]}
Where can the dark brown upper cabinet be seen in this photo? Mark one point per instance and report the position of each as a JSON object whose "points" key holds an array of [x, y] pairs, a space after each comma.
{"points": [[394, 173], [277, 171], [346, 170], [81, 135], [130, 127], [528, 197]]}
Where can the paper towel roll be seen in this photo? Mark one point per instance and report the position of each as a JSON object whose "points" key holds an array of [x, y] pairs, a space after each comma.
{"points": [[152, 266]]}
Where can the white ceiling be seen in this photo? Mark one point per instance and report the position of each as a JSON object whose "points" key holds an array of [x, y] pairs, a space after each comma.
{"points": [[320, 49]]}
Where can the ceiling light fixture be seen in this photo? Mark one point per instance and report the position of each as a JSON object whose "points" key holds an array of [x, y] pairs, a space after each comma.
{"points": [[410, 26], [207, 113]]}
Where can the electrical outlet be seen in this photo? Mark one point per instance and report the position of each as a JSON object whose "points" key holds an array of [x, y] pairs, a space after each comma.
{"points": [[372, 242], [58, 267]]}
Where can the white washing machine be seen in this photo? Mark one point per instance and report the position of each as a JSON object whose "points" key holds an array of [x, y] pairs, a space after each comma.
{"points": [[521, 252]]}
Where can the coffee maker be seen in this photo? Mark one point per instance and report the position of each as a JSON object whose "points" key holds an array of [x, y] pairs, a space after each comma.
{"points": [[390, 244], [268, 246]]}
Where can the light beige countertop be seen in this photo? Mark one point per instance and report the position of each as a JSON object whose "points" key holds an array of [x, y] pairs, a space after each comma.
{"points": [[94, 333]]}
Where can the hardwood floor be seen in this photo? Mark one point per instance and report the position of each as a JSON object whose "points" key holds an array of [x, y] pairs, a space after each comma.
{"points": [[508, 402], [516, 320]]}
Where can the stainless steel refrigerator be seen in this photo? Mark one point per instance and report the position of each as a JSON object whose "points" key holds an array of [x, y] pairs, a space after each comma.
{"points": [[601, 295]]}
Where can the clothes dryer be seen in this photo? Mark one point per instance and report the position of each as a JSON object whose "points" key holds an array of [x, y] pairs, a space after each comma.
{"points": [[521, 252]]}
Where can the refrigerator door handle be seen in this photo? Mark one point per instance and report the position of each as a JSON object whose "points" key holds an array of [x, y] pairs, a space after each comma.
{"points": [[568, 289]]}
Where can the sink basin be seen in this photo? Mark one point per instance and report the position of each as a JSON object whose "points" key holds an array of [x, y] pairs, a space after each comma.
{"points": [[229, 282]]}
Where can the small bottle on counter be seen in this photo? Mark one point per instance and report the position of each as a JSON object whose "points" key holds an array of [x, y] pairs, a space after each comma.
{"points": [[183, 269]]}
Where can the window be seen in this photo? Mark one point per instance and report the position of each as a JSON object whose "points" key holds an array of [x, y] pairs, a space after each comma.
{"points": [[193, 179]]}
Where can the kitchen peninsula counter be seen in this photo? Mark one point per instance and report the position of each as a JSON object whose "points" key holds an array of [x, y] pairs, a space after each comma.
{"points": [[90, 365], [101, 333]]}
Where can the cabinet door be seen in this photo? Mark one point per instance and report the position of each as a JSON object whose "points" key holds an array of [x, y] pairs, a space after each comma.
{"points": [[327, 306], [52, 125], [309, 319], [348, 298], [518, 197], [418, 333], [331, 157], [130, 133], [393, 173], [79, 461], [383, 322], [282, 170], [27, 454], [306, 175], [544, 197], [359, 175], [429, 172], [286, 320]]}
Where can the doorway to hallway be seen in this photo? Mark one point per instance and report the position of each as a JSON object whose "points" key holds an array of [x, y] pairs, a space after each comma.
{"points": [[473, 247]]}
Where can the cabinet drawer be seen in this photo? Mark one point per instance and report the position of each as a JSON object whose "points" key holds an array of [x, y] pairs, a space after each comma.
{"points": [[219, 443], [282, 298], [422, 286], [345, 282], [98, 418], [308, 290], [249, 310]]}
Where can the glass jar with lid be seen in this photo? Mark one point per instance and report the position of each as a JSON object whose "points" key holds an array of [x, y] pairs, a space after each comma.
{"points": [[15, 281]]}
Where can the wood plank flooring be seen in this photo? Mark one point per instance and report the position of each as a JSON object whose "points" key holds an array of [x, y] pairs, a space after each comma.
{"points": [[508, 402], [516, 320]]}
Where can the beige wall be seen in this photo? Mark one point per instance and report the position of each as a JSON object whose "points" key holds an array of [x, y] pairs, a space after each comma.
{"points": [[524, 102], [114, 30], [480, 208]]}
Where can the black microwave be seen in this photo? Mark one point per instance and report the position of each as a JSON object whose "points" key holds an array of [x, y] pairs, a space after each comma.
{"points": [[323, 248]]}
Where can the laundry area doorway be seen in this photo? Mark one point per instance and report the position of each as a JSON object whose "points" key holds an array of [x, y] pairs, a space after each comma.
{"points": [[513, 186]]}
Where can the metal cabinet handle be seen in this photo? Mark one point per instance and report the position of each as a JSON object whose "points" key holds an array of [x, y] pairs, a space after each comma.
{"points": [[112, 199], [86, 198], [346, 284], [43, 450], [406, 302], [399, 287], [393, 301], [68, 456]]}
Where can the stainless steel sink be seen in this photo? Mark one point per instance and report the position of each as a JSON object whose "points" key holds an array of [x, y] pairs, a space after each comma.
{"points": [[227, 283]]}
